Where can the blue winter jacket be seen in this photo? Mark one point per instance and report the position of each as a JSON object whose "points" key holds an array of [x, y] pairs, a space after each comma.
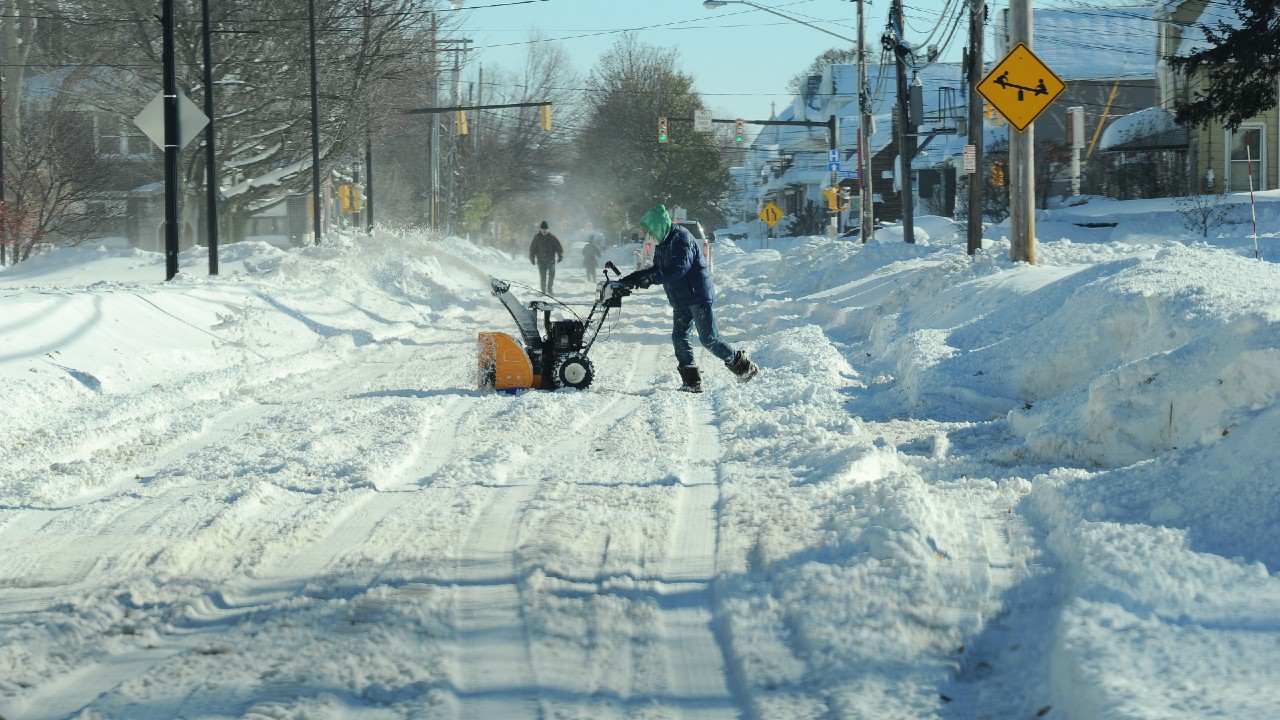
{"points": [[679, 265]]}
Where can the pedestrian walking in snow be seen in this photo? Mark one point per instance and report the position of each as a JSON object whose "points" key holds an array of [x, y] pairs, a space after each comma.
{"points": [[591, 257], [681, 269], [545, 251]]}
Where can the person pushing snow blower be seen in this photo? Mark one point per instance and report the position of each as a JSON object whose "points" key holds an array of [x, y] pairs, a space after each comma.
{"points": [[678, 265]]}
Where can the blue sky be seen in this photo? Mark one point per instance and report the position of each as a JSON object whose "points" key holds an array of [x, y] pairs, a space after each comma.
{"points": [[741, 58]]}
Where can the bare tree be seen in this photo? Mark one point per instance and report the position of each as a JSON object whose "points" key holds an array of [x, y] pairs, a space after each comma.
{"points": [[55, 182], [622, 168], [260, 82]]}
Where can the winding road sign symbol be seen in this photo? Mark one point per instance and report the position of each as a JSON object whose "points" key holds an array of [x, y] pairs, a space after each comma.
{"points": [[1020, 87]]}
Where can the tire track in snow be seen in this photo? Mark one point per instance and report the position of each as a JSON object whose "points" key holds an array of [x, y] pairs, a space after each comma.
{"points": [[498, 673], [288, 574], [110, 540], [697, 672]]}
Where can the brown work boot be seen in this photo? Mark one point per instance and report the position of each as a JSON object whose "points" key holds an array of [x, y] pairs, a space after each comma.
{"points": [[742, 366], [691, 378]]}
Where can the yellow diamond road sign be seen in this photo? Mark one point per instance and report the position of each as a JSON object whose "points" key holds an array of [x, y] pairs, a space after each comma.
{"points": [[771, 214], [1020, 87]]}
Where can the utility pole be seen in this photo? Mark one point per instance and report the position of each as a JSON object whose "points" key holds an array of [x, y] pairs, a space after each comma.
{"points": [[974, 73], [315, 128], [866, 203], [906, 141], [368, 183], [210, 157], [435, 120], [1022, 180], [171, 133]]}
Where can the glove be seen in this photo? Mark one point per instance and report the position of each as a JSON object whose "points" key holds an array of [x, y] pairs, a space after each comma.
{"points": [[638, 279]]}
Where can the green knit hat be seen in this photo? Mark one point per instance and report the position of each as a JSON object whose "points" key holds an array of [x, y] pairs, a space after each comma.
{"points": [[657, 222]]}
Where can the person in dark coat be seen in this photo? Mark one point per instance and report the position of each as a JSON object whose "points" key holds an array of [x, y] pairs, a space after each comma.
{"points": [[679, 266], [545, 251], [590, 256]]}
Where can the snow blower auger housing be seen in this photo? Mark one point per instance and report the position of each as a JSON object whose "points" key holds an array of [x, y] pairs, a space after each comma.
{"points": [[548, 359]]}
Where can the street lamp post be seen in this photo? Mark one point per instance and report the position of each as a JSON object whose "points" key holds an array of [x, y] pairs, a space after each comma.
{"points": [[864, 139]]}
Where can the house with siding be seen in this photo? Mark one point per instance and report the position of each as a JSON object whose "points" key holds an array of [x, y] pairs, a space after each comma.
{"points": [[1106, 56], [1219, 159]]}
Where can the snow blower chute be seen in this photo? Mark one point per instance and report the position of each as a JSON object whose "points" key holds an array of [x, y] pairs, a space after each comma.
{"points": [[548, 359]]}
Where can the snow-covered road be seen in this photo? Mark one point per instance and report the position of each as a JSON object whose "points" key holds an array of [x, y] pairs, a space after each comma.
{"points": [[278, 494]]}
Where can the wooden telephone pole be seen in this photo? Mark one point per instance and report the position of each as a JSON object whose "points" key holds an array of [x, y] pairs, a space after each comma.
{"points": [[973, 73], [1022, 166]]}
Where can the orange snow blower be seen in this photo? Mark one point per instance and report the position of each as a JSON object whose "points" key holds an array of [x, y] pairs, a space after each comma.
{"points": [[548, 359]]}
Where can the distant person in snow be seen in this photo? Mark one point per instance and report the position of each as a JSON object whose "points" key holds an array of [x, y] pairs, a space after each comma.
{"points": [[679, 266], [591, 252], [545, 251]]}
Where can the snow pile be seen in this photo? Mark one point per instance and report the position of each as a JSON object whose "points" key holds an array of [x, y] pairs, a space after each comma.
{"points": [[961, 486]]}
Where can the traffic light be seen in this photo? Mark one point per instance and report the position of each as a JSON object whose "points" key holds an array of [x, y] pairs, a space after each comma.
{"points": [[833, 198], [739, 130], [662, 129], [546, 117], [460, 122], [991, 113], [350, 197]]}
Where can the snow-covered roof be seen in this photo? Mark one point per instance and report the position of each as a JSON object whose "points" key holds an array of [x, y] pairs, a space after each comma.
{"points": [[1091, 43], [1150, 129]]}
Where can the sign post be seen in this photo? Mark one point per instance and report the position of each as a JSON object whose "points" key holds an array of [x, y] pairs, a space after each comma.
{"points": [[1020, 87]]}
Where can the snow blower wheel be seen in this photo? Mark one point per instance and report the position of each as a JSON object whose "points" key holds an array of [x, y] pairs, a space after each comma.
{"points": [[573, 370]]}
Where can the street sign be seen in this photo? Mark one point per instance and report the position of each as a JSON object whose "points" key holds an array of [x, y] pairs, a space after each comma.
{"points": [[1020, 87], [702, 120], [970, 159], [771, 214], [848, 174], [191, 120]]}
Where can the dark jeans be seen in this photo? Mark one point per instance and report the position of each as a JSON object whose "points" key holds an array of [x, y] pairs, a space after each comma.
{"points": [[547, 276], [686, 317]]}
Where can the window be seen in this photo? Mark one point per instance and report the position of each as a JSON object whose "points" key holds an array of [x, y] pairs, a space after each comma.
{"points": [[1246, 168]]}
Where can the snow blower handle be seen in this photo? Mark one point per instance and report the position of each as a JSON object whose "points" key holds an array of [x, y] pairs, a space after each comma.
{"points": [[610, 266]]}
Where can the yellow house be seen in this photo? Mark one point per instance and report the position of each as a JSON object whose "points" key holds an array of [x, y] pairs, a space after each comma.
{"points": [[1219, 159]]}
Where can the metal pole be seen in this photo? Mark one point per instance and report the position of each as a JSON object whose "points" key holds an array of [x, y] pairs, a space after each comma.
{"points": [[977, 131], [170, 143], [833, 229], [210, 157], [1022, 187], [3, 245], [866, 210], [435, 124], [315, 129], [368, 182]]}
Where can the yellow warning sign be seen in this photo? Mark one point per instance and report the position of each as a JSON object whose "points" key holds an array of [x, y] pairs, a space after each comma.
{"points": [[1020, 87], [771, 214]]}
